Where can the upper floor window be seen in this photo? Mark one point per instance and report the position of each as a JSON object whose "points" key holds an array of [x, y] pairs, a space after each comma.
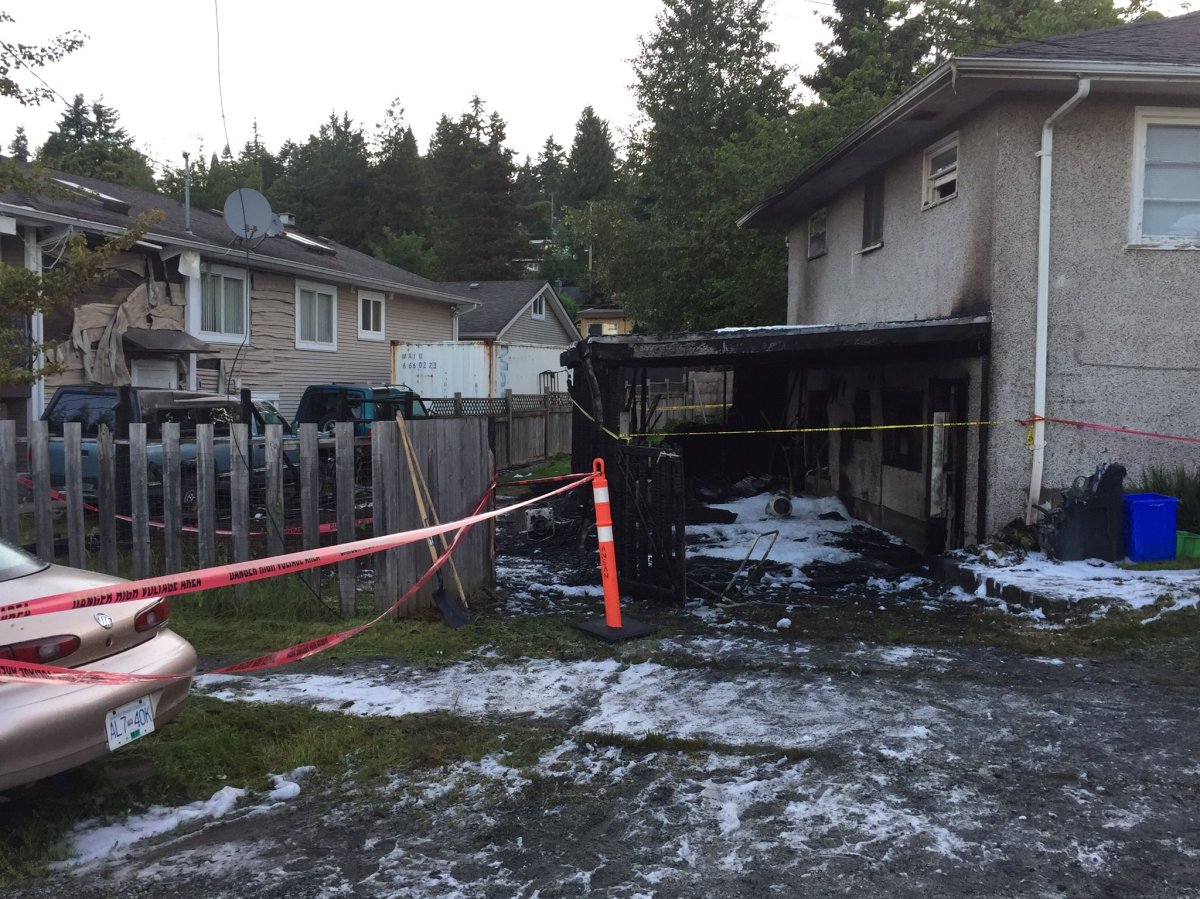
{"points": [[370, 315], [941, 172], [539, 307], [316, 316], [816, 233], [223, 304], [873, 212], [1166, 177]]}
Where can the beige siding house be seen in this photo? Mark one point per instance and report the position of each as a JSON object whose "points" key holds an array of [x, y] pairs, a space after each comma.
{"points": [[1050, 189], [194, 306]]}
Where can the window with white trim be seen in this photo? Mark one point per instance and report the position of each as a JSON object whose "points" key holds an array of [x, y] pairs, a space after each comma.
{"points": [[370, 315], [316, 316], [941, 172], [1166, 177], [539, 307], [817, 223], [224, 302]]}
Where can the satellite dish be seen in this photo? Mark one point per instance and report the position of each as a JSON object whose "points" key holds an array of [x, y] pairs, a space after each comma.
{"points": [[276, 227], [248, 214]]}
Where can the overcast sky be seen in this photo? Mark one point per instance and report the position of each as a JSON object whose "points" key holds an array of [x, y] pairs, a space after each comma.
{"points": [[289, 65]]}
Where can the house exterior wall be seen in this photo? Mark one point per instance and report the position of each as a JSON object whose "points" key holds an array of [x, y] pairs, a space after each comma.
{"points": [[934, 263], [271, 362], [524, 328], [1124, 324]]}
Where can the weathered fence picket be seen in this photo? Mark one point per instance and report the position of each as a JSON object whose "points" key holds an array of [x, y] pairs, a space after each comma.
{"points": [[139, 497], [106, 493], [308, 488], [9, 497]]}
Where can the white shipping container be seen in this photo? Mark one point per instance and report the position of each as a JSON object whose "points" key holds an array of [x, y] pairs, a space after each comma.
{"points": [[473, 367]]}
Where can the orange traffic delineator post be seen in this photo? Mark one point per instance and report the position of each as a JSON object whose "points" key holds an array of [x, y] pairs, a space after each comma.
{"points": [[612, 628]]}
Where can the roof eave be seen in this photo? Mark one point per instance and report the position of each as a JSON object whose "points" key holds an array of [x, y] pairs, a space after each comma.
{"points": [[946, 75]]}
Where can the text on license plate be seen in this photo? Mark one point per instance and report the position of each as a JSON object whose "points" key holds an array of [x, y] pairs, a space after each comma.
{"points": [[129, 722]]}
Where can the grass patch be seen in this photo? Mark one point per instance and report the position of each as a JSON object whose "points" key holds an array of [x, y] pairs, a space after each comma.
{"points": [[555, 466], [215, 744], [662, 742], [1185, 563]]}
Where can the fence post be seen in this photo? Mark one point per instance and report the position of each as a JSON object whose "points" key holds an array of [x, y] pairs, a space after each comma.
{"points": [[39, 464], [206, 500], [72, 450], [309, 497], [139, 499], [9, 522], [458, 406], [344, 446], [172, 506], [106, 465], [273, 448], [239, 495]]}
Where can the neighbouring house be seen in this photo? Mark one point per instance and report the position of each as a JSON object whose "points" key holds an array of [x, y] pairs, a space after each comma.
{"points": [[510, 340], [1033, 211], [195, 306]]}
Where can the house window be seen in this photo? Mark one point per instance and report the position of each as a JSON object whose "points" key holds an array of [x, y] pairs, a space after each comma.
{"points": [[223, 302], [370, 316], [816, 233], [873, 212], [902, 446], [539, 307], [316, 316], [1166, 177], [941, 172]]}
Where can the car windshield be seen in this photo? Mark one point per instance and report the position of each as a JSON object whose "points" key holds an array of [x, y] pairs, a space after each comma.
{"points": [[16, 563]]}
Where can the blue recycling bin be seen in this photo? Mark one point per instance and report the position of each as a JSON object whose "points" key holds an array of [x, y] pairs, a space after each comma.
{"points": [[1150, 526]]}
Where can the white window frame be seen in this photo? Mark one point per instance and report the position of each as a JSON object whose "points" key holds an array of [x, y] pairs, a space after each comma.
{"points": [[814, 250], [229, 337], [372, 296], [316, 344], [931, 180], [538, 308], [1144, 116]]}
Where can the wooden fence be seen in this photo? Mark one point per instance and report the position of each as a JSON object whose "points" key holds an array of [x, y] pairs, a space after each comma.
{"points": [[522, 428], [178, 505]]}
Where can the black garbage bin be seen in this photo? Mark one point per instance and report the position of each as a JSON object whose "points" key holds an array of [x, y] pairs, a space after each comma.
{"points": [[1090, 523]]}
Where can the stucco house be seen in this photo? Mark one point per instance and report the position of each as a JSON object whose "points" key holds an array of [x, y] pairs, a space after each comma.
{"points": [[195, 306], [1048, 193]]}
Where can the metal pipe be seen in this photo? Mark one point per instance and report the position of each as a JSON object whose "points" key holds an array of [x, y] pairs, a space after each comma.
{"points": [[1041, 348], [187, 192]]}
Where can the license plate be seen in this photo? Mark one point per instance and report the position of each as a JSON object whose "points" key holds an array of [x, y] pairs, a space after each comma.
{"points": [[129, 722]]}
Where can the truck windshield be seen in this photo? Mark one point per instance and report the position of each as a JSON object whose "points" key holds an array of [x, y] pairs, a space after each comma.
{"points": [[89, 409]]}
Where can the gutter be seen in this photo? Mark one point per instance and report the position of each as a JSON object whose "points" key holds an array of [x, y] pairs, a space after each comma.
{"points": [[266, 263], [1041, 347]]}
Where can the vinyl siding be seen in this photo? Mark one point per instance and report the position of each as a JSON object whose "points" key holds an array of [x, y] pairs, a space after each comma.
{"points": [[525, 329], [271, 362]]}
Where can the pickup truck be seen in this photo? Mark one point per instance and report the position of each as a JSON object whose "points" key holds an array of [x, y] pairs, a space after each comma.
{"points": [[324, 404], [118, 407]]}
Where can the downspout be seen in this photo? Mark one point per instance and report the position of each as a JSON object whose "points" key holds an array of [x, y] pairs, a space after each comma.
{"points": [[1041, 349], [37, 332]]}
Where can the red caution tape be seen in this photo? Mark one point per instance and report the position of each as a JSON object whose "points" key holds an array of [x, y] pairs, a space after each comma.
{"points": [[243, 572], [1115, 429]]}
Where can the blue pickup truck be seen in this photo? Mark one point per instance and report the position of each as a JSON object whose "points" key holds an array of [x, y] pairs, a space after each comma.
{"points": [[325, 404], [119, 407]]}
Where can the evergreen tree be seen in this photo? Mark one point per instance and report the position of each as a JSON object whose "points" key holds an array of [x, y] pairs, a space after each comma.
{"points": [[88, 141], [471, 198], [550, 166], [703, 79], [396, 202], [326, 183], [19, 148], [591, 166]]}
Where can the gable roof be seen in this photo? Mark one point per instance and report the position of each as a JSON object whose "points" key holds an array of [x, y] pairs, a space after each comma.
{"points": [[98, 206], [1159, 57], [500, 304]]}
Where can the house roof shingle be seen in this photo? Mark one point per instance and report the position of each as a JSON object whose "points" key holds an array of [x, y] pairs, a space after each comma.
{"points": [[1174, 40], [208, 228], [500, 301]]}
